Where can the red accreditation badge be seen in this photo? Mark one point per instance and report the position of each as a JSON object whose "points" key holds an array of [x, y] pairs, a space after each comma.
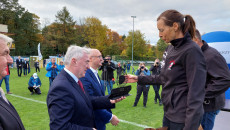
{"points": [[171, 63]]}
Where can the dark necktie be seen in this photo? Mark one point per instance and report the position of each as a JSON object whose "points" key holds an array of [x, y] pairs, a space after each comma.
{"points": [[81, 85]]}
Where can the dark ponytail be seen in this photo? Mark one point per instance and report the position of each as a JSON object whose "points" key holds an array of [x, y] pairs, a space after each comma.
{"points": [[189, 26]]}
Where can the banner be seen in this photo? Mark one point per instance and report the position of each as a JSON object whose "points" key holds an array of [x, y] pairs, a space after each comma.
{"points": [[39, 52]]}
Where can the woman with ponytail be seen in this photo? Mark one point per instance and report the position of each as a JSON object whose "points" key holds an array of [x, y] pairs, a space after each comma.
{"points": [[183, 72]]}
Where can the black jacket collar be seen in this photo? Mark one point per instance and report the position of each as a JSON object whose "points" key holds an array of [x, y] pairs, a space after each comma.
{"points": [[181, 41], [205, 46]]}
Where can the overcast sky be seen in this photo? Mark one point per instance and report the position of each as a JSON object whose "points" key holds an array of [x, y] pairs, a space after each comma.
{"points": [[210, 15]]}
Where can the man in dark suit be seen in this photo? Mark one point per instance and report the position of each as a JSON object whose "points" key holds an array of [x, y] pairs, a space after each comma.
{"points": [[9, 118], [19, 66], [69, 105], [25, 64], [94, 87]]}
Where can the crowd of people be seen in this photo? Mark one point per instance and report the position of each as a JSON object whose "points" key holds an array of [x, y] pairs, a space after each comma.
{"points": [[193, 76]]}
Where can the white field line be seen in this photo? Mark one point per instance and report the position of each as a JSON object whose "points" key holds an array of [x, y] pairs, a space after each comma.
{"points": [[123, 121]]}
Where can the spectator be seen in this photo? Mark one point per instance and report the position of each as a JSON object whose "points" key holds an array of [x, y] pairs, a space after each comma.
{"points": [[61, 66], [217, 82], [142, 70], [25, 66], [52, 70], [44, 63], [183, 72], [34, 84], [119, 70], [107, 73], [133, 70], [6, 78], [128, 67], [156, 70], [124, 69], [36, 65], [19, 66]]}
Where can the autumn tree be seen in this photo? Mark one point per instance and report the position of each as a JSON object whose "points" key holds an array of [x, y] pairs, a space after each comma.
{"points": [[61, 33], [95, 33], [23, 25], [139, 44]]}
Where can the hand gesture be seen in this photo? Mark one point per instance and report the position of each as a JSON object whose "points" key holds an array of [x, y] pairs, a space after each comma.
{"points": [[117, 100], [131, 78], [114, 120]]}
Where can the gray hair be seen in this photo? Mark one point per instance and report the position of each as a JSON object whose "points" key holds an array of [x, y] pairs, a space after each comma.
{"points": [[6, 39], [74, 51]]}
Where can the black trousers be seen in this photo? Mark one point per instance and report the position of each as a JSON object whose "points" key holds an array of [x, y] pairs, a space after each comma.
{"points": [[140, 89], [19, 70], [172, 125], [37, 90], [37, 68], [156, 90], [25, 71]]}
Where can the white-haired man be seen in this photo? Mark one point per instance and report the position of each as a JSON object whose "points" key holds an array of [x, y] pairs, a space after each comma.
{"points": [[69, 105], [9, 118]]}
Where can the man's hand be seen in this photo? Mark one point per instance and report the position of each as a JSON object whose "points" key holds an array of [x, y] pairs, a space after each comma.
{"points": [[114, 120], [117, 100], [131, 78]]}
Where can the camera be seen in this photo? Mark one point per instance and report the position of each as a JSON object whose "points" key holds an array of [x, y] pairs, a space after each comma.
{"points": [[157, 63], [142, 67], [106, 61]]}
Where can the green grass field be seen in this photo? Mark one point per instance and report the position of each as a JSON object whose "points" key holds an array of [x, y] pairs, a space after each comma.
{"points": [[35, 116]]}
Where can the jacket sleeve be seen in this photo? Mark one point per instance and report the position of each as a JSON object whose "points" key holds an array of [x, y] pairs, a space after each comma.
{"points": [[48, 67], [195, 67], [218, 80], [104, 114], [102, 102], [57, 68], [147, 72], [137, 72], [151, 68], [150, 80], [30, 82]]}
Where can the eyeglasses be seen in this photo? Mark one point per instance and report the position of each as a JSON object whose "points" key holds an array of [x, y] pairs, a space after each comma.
{"points": [[100, 57]]}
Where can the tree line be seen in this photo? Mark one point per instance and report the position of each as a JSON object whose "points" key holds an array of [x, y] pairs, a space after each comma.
{"points": [[65, 31]]}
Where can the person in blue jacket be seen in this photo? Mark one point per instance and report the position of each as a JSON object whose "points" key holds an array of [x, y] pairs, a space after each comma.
{"points": [[61, 66], [34, 84], [52, 70], [128, 67], [142, 70]]}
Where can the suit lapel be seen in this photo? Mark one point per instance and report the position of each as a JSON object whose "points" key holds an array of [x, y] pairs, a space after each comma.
{"points": [[11, 110], [95, 79], [78, 88]]}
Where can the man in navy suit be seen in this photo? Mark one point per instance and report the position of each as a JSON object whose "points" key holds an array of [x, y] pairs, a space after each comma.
{"points": [[9, 118], [69, 105], [93, 86]]}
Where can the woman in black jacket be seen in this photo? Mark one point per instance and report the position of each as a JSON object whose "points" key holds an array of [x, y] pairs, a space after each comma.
{"points": [[183, 72]]}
